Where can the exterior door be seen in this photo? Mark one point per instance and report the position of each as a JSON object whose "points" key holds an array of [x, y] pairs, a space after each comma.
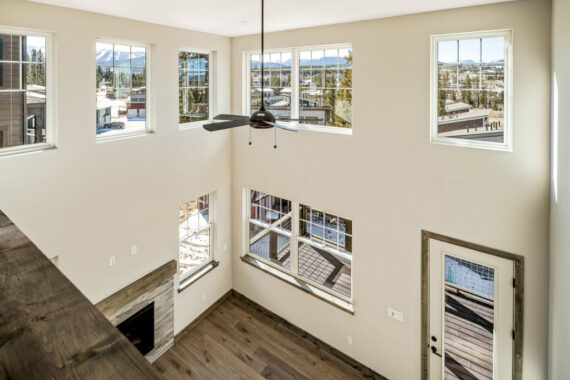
{"points": [[471, 300]]}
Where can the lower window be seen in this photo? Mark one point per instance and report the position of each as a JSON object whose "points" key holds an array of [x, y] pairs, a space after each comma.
{"points": [[309, 244], [195, 232]]}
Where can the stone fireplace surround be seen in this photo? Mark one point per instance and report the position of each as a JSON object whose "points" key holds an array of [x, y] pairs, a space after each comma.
{"points": [[157, 287]]}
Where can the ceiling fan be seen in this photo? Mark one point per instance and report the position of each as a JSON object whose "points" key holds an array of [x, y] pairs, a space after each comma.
{"points": [[261, 119]]}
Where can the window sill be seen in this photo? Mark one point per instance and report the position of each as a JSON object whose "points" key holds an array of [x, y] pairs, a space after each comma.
{"points": [[298, 283], [485, 145], [25, 149], [197, 275], [122, 136]]}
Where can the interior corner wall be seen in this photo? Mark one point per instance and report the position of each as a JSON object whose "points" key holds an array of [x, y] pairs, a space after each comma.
{"points": [[559, 334], [393, 183], [87, 201]]}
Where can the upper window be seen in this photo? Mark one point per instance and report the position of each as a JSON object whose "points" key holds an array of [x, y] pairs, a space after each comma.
{"points": [[122, 84], [471, 94], [195, 232], [310, 84], [193, 87], [24, 91], [312, 245]]}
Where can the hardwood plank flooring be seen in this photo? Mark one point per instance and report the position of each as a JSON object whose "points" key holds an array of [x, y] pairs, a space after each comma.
{"points": [[237, 341]]}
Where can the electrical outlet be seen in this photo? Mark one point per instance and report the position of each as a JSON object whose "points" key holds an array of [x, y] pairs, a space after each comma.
{"points": [[203, 298], [111, 261], [397, 315], [349, 340], [225, 247], [134, 250]]}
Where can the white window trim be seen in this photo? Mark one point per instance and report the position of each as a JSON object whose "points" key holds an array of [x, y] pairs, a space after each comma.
{"points": [[211, 215], [212, 73], [246, 86], [148, 111], [507, 144], [50, 95], [294, 238]]}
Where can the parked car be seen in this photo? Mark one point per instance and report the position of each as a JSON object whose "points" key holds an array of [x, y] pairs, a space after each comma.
{"points": [[115, 125]]}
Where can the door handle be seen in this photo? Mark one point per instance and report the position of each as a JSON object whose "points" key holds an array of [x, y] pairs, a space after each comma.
{"points": [[434, 351]]}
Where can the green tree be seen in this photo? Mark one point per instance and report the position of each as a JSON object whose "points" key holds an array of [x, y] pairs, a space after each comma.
{"points": [[441, 103]]}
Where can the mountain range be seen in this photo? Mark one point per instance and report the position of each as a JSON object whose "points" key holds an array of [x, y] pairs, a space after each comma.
{"points": [[325, 61], [105, 58], [470, 62]]}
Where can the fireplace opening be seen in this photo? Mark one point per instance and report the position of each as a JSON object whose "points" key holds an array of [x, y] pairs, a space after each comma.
{"points": [[139, 329]]}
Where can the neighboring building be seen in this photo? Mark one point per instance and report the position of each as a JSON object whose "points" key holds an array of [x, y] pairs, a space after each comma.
{"points": [[22, 109], [464, 122], [136, 108]]}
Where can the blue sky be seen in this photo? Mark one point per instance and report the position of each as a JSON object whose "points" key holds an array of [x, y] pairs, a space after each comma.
{"points": [[493, 50]]}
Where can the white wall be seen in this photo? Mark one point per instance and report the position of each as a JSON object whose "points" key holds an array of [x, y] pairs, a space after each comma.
{"points": [[393, 183], [559, 337], [86, 201]]}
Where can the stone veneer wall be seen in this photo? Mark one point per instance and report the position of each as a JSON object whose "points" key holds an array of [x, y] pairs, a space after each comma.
{"points": [[163, 298]]}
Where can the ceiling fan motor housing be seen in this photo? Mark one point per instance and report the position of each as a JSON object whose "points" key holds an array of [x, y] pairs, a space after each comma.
{"points": [[258, 119]]}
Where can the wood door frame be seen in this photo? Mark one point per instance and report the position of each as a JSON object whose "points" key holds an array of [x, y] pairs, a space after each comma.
{"points": [[518, 271]]}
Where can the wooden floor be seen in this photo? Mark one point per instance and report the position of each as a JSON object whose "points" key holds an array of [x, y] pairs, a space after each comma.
{"points": [[237, 341], [468, 336]]}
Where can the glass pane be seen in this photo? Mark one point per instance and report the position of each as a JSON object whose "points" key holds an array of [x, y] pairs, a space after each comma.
{"points": [[469, 319], [193, 105], [10, 47], [273, 247], [470, 51], [9, 76], [447, 52], [138, 77], [345, 57], [447, 76], [122, 55], [305, 59], [493, 50], [325, 269], [104, 54], [194, 251], [317, 59], [138, 56], [35, 49], [34, 76], [285, 60], [331, 58], [11, 118]]}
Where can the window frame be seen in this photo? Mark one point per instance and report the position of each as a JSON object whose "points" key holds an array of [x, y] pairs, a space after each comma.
{"points": [[295, 109], [211, 86], [51, 133], [507, 144], [148, 105], [188, 276], [294, 240]]}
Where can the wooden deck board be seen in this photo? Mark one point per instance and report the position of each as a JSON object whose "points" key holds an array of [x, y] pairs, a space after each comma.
{"points": [[468, 336]]}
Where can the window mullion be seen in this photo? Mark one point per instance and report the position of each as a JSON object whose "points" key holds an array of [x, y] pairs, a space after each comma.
{"points": [[294, 83], [293, 240]]}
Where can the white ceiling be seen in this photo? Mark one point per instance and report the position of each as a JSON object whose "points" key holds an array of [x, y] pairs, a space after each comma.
{"points": [[241, 17]]}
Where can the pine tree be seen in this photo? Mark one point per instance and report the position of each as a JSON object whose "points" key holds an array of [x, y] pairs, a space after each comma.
{"points": [[441, 103]]}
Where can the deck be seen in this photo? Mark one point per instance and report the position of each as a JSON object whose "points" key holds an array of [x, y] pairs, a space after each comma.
{"points": [[315, 264], [468, 335]]}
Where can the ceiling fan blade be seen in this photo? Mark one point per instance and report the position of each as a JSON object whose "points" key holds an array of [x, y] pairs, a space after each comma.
{"points": [[231, 117], [213, 127], [281, 126]]}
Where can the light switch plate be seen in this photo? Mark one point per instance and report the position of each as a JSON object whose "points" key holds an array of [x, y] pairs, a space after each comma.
{"points": [[397, 315]]}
